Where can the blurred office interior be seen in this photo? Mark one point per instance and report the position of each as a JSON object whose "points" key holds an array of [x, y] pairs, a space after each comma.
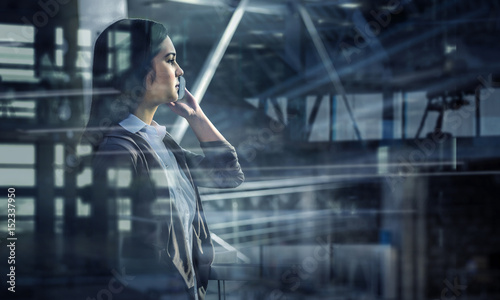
{"points": [[368, 132]]}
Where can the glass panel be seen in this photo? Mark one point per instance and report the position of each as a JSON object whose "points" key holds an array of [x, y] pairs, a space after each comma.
{"points": [[17, 33], [59, 36], [17, 154], [84, 37], [16, 55], [84, 178], [82, 209], [17, 177], [59, 58], [17, 75], [83, 60]]}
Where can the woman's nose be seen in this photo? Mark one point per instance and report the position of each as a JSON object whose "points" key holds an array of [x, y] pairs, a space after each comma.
{"points": [[180, 72]]}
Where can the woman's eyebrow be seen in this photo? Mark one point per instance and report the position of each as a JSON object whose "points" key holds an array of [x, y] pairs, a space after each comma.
{"points": [[171, 53]]}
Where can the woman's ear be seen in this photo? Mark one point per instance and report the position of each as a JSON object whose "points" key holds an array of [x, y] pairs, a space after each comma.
{"points": [[150, 78]]}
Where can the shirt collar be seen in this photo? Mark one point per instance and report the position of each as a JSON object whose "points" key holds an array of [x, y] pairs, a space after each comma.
{"points": [[133, 124], [160, 130]]}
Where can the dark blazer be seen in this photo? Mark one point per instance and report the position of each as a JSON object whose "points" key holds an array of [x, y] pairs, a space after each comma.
{"points": [[159, 238]]}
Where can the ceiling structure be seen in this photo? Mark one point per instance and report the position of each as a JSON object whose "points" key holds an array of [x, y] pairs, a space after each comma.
{"points": [[293, 49], [373, 45]]}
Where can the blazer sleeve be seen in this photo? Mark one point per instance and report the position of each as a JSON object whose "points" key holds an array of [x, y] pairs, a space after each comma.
{"points": [[217, 168]]}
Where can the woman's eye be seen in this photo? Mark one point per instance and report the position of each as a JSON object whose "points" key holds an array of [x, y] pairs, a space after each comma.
{"points": [[171, 61]]}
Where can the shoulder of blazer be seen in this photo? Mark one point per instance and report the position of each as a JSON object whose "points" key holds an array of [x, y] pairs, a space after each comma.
{"points": [[129, 141]]}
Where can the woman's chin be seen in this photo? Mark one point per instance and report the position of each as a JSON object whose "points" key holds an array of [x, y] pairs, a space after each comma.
{"points": [[170, 99]]}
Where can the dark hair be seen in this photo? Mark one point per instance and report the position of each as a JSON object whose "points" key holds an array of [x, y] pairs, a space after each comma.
{"points": [[123, 55]]}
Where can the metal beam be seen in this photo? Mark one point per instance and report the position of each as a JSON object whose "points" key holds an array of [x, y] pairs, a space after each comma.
{"points": [[45, 185], [228, 247], [388, 98], [290, 88], [332, 72], [208, 70], [258, 7]]}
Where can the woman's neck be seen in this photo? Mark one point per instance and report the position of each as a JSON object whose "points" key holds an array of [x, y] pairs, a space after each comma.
{"points": [[146, 114]]}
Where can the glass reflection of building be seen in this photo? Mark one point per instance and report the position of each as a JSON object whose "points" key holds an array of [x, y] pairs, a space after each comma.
{"points": [[323, 101]]}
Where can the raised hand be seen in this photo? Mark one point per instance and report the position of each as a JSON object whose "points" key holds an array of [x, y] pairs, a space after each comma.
{"points": [[189, 109], [186, 108]]}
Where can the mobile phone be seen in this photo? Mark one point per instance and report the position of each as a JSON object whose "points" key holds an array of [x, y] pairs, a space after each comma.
{"points": [[182, 88]]}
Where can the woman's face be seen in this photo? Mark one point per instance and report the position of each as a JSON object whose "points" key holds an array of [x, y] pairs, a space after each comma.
{"points": [[162, 87]]}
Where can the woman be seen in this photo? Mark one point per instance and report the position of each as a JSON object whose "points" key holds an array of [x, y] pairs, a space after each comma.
{"points": [[164, 176]]}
